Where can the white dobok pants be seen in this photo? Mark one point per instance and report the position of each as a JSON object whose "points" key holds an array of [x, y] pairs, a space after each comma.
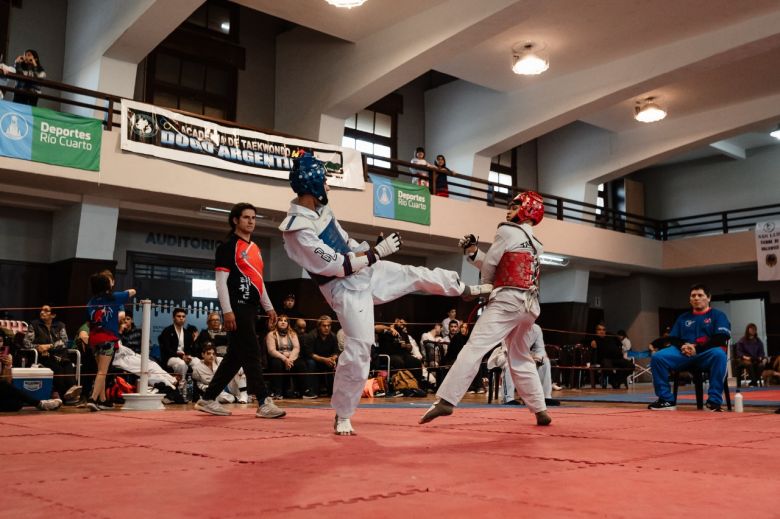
{"points": [[505, 319], [354, 307]]}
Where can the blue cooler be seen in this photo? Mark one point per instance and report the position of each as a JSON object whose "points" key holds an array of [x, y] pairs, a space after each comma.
{"points": [[36, 382]]}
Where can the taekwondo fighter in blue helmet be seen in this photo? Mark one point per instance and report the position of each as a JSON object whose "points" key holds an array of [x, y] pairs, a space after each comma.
{"points": [[353, 277]]}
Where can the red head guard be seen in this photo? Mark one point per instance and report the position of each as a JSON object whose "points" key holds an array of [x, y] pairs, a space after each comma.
{"points": [[531, 207]]}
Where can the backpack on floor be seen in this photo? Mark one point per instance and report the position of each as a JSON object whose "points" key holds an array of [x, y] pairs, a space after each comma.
{"points": [[404, 380]]}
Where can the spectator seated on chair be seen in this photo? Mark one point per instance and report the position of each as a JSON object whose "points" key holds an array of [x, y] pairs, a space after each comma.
{"points": [[49, 338], [320, 351], [771, 374], [698, 340], [130, 334], [435, 346], [749, 355], [456, 344], [213, 333], [394, 340], [177, 344], [12, 399], [284, 351], [203, 372], [607, 352]]}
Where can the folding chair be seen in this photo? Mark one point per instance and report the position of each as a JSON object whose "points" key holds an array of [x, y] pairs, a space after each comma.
{"points": [[639, 369]]}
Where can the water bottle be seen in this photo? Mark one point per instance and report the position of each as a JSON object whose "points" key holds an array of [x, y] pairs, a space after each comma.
{"points": [[183, 389], [738, 408], [24, 362], [190, 388]]}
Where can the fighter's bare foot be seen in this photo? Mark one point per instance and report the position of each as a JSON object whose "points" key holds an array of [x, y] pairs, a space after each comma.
{"points": [[542, 418], [439, 408]]}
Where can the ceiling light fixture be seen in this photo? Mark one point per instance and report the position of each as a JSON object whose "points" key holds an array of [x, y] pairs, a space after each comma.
{"points": [[648, 111], [527, 60], [346, 4], [776, 133]]}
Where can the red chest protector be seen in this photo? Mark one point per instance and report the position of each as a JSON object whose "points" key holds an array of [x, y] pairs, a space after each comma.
{"points": [[517, 269]]}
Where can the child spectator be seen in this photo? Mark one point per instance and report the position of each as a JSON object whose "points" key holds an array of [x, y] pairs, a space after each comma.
{"points": [[419, 158]]}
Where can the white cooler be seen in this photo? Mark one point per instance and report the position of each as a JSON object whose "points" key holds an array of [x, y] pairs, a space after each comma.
{"points": [[37, 382]]}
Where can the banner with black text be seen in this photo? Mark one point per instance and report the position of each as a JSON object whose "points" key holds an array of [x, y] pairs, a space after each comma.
{"points": [[768, 250], [155, 131]]}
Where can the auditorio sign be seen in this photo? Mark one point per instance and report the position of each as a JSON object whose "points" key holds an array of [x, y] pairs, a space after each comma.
{"points": [[43, 135]]}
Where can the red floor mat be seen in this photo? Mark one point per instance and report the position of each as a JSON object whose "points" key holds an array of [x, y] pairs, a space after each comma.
{"points": [[478, 462]]}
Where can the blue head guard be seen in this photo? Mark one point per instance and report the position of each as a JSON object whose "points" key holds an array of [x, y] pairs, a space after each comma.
{"points": [[308, 177]]}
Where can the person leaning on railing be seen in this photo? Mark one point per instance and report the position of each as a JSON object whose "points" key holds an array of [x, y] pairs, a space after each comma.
{"points": [[28, 64]]}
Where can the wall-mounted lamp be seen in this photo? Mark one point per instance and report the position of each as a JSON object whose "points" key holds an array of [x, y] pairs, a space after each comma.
{"points": [[551, 259], [648, 111], [222, 212], [527, 60], [346, 4], [776, 133]]}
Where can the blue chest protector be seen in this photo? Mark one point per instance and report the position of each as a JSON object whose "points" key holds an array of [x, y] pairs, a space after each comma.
{"points": [[331, 237]]}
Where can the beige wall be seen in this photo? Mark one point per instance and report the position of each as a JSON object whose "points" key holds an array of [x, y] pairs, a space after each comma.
{"points": [[177, 191]]}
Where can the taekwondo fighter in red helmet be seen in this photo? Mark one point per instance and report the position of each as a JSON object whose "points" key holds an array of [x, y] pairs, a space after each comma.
{"points": [[511, 265]]}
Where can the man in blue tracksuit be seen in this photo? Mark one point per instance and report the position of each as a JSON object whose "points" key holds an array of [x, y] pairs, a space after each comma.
{"points": [[698, 339]]}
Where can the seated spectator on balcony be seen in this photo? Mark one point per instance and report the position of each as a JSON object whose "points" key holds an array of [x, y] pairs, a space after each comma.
{"points": [[28, 64], [394, 340], [49, 338], [660, 342], [203, 372], [442, 187], [749, 354], [320, 353], [213, 333], [607, 352], [289, 309], [12, 399], [130, 334], [177, 344], [284, 352], [419, 158]]}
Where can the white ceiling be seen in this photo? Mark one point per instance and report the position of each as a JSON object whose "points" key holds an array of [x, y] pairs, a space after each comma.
{"points": [[580, 35]]}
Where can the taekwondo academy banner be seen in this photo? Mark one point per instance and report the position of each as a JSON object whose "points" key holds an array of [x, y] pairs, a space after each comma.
{"points": [[151, 130], [768, 250], [401, 201], [43, 135]]}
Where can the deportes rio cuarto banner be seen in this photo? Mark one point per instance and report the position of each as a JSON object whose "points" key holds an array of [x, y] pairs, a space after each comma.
{"points": [[151, 130], [401, 201], [768, 250], [43, 135]]}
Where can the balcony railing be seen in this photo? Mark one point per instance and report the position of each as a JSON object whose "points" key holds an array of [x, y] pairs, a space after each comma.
{"points": [[460, 186]]}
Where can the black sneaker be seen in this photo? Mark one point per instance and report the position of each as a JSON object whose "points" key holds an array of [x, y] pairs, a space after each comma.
{"points": [[662, 405], [105, 404], [309, 394], [92, 406], [714, 408]]}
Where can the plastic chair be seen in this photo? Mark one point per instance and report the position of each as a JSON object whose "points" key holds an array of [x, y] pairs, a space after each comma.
{"points": [[698, 384]]}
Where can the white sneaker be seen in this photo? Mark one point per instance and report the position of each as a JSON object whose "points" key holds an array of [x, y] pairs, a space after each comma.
{"points": [[243, 398], [343, 427], [49, 405], [556, 387], [211, 407], [269, 409], [226, 398]]}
